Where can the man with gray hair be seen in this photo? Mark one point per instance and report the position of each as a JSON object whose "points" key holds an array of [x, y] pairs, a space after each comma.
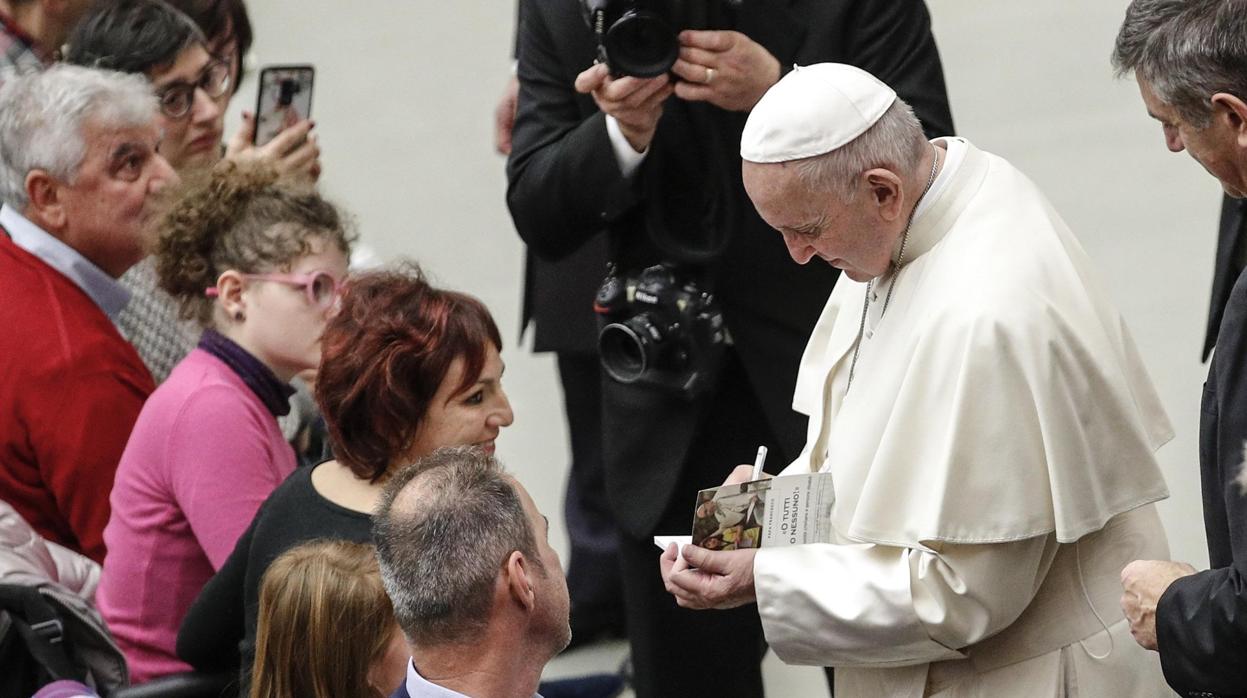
{"points": [[984, 414], [79, 170], [1189, 58], [476, 587]]}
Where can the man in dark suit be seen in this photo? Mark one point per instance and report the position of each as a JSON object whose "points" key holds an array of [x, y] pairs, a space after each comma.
{"points": [[557, 305], [1230, 261], [1187, 56], [593, 153]]}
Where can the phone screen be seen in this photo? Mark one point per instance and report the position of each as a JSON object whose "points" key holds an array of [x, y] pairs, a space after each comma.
{"points": [[285, 99]]}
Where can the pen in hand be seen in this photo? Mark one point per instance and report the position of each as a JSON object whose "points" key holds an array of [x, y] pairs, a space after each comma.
{"points": [[758, 462]]}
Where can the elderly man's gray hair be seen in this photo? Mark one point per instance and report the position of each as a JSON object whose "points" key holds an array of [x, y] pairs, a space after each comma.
{"points": [[444, 528], [1186, 51], [895, 141], [42, 116]]}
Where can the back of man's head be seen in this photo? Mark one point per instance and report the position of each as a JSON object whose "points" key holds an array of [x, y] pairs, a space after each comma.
{"points": [[42, 119], [444, 529], [1186, 51], [132, 36]]}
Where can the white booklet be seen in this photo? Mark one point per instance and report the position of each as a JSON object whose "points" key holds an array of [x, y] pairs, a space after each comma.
{"points": [[788, 510]]}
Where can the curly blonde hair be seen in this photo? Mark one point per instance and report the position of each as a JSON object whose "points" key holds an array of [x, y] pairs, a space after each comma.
{"points": [[244, 218]]}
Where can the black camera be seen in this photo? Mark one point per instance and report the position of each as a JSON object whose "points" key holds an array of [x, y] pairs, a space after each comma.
{"points": [[641, 37], [660, 328]]}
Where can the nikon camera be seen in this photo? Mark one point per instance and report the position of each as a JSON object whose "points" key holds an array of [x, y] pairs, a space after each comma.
{"points": [[641, 37], [660, 330]]}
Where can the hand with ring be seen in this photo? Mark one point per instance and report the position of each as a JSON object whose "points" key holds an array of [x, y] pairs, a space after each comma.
{"points": [[725, 68]]}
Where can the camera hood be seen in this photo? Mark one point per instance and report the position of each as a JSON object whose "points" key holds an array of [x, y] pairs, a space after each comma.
{"points": [[641, 44]]}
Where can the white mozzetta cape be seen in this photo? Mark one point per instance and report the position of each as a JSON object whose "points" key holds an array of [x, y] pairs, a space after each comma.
{"points": [[1000, 398], [999, 418]]}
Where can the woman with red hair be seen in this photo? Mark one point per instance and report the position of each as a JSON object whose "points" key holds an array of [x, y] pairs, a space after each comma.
{"points": [[406, 369]]}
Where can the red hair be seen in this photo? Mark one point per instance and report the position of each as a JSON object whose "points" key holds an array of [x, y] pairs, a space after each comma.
{"points": [[383, 357]]}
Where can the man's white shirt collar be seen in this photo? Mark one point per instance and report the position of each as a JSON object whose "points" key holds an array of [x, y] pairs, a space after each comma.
{"points": [[420, 687], [103, 289]]}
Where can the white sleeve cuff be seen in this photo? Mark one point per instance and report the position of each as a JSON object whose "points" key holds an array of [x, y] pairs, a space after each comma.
{"points": [[842, 605], [629, 160]]}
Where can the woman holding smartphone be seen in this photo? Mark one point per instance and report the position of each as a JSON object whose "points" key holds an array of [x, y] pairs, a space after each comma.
{"points": [[258, 263]]}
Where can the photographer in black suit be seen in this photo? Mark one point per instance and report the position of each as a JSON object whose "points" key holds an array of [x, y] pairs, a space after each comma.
{"points": [[654, 162]]}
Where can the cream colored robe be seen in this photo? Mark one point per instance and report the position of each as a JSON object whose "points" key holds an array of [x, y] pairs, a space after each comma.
{"points": [[993, 466]]}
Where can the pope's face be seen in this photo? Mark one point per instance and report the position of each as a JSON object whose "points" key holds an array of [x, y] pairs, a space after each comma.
{"points": [[850, 236], [1213, 146]]}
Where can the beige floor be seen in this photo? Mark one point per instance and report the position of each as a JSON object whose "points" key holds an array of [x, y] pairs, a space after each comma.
{"points": [[780, 680]]}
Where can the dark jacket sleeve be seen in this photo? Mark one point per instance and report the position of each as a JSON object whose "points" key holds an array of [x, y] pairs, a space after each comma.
{"points": [[216, 623], [893, 42], [1201, 620], [564, 183], [1201, 628]]}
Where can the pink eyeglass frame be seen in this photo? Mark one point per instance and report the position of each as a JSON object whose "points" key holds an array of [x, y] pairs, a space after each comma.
{"points": [[305, 281]]}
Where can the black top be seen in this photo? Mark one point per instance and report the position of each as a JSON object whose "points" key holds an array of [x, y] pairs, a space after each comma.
{"points": [[218, 633], [1201, 620]]}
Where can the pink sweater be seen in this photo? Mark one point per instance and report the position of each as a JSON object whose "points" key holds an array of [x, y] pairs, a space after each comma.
{"points": [[204, 454]]}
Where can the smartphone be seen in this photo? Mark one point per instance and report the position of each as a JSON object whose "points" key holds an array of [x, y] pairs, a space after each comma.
{"points": [[284, 100]]}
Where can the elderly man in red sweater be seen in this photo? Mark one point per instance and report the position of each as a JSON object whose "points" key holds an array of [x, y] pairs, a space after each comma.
{"points": [[78, 170]]}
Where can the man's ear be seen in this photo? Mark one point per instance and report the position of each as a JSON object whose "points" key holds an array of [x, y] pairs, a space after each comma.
{"points": [[520, 581], [885, 192], [1234, 111], [46, 208]]}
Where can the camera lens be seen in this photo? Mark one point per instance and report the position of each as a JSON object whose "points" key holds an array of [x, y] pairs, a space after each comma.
{"points": [[629, 348], [641, 44]]}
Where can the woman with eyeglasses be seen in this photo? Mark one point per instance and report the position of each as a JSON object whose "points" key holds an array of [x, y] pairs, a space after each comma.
{"points": [[193, 76], [407, 368], [258, 262]]}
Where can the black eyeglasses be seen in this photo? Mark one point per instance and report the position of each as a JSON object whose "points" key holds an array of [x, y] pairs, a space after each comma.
{"points": [[177, 99]]}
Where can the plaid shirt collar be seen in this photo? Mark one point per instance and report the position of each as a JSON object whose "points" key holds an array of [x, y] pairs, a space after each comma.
{"points": [[17, 48]]}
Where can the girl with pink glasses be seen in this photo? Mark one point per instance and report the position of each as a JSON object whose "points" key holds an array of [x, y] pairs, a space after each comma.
{"points": [[259, 263]]}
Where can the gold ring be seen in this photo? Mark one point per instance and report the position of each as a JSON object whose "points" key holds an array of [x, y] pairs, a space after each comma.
{"points": [[709, 75]]}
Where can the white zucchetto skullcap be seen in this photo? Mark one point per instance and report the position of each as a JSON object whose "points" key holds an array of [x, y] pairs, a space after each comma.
{"points": [[813, 110]]}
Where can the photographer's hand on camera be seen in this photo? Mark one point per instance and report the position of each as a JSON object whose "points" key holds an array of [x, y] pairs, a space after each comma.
{"points": [[724, 68], [293, 151], [635, 103]]}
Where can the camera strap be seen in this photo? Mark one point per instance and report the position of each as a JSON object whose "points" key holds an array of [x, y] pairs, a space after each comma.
{"points": [[690, 206]]}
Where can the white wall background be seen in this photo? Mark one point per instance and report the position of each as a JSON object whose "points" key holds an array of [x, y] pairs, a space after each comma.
{"points": [[404, 99]]}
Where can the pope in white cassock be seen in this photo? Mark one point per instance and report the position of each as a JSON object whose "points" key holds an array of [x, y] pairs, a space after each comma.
{"points": [[987, 421]]}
